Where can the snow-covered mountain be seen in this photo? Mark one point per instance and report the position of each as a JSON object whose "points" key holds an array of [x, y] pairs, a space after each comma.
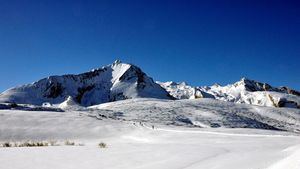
{"points": [[244, 91], [151, 132], [184, 91], [117, 81], [150, 128], [120, 81]]}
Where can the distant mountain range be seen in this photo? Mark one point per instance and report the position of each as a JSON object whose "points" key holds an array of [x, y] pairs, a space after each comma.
{"points": [[120, 81], [244, 91]]}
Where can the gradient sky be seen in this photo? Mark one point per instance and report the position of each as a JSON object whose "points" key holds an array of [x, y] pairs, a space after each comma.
{"points": [[200, 42]]}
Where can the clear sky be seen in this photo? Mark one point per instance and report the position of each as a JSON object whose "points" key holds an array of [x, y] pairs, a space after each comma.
{"points": [[200, 42]]}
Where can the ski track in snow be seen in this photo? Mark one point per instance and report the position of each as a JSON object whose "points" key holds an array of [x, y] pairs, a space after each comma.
{"points": [[219, 133], [290, 162]]}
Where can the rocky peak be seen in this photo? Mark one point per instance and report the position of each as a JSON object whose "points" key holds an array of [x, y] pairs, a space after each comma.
{"points": [[113, 82], [289, 90], [116, 62], [252, 85]]}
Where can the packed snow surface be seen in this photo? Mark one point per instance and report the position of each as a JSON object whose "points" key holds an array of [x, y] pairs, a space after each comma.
{"points": [[140, 147], [153, 133]]}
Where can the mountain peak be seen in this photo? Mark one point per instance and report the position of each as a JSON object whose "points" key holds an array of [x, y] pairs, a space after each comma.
{"points": [[252, 85], [116, 62], [114, 82], [245, 80]]}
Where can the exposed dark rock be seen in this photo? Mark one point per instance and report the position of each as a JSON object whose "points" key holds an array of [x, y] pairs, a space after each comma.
{"points": [[26, 108], [289, 91], [81, 92], [287, 103], [53, 90], [252, 86], [183, 119], [118, 96], [90, 75], [135, 72], [4, 106]]}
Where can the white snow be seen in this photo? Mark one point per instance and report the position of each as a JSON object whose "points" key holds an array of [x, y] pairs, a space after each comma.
{"points": [[206, 112], [184, 91], [292, 161], [156, 149], [153, 133], [69, 103], [133, 146]]}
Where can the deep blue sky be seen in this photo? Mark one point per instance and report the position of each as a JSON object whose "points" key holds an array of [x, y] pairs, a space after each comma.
{"points": [[200, 42]]}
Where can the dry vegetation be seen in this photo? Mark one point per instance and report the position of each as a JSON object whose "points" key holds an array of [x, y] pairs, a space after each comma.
{"points": [[39, 143], [102, 145]]}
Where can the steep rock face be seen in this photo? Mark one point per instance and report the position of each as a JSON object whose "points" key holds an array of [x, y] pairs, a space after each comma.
{"points": [[252, 86], [289, 91], [117, 81]]}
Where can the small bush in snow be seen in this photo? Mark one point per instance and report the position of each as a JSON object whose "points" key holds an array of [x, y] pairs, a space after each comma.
{"points": [[102, 145], [31, 144], [6, 144], [53, 143], [39, 144], [69, 143]]}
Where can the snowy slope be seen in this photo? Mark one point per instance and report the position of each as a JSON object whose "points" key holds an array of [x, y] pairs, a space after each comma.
{"points": [[117, 81], [159, 149], [191, 113], [205, 113], [244, 91], [135, 145]]}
